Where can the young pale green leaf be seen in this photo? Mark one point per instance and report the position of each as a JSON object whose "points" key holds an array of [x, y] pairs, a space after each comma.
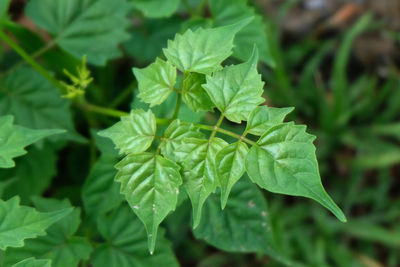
{"points": [[99, 192], [156, 81], [156, 8], [262, 118], [35, 103], [236, 90], [59, 245], [174, 135], [243, 226], [93, 27], [32, 174], [284, 161], [150, 184], [134, 133], [230, 167], [32, 262], [203, 50], [13, 140], [199, 170], [18, 223], [193, 93], [225, 12], [126, 244]]}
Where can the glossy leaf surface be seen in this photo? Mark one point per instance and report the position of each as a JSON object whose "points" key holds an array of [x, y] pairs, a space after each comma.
{"points": [[134, 133], [150, 184], [236, 90], [174, 135], [18, 223], [155, 82], [199, 171], [284, 161], [203, 50], [230, 167], [194, 94], [14, 139], [263, 117]]}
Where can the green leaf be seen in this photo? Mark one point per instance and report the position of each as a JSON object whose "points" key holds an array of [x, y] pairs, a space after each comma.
{"points": [[4, 5], [156, 8], [32, 262], [225, 12], [20, 222], [150, 184], [199, 170], [126, 244], [151, 31], [193, 93], [35, 103], [156, 81], [60, 245], [94, 27], [230, 167], [134, 133], [13, 140], [284, 161], [32, 174], [243, 226], [99, 192], [236, 90], [104, 144], [203, 50], [263, 117], [174, 135]]}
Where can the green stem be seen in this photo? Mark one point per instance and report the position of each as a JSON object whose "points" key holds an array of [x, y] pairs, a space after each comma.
{"points": [[217, 125], [30, 60], [160, 121], [102, 110], [226, 132], [35, 55], [113, 112], [177, 106]]}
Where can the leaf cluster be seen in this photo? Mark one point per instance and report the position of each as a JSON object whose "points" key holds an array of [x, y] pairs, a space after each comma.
{"points": [[152, 173]]}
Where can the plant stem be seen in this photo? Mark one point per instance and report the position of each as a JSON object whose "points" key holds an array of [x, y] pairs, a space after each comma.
{"points": [[30, 60], [102, 110], [177, 106], [35, 55], [217, 125], [226, 132], [113, 112], [160, 121]]}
